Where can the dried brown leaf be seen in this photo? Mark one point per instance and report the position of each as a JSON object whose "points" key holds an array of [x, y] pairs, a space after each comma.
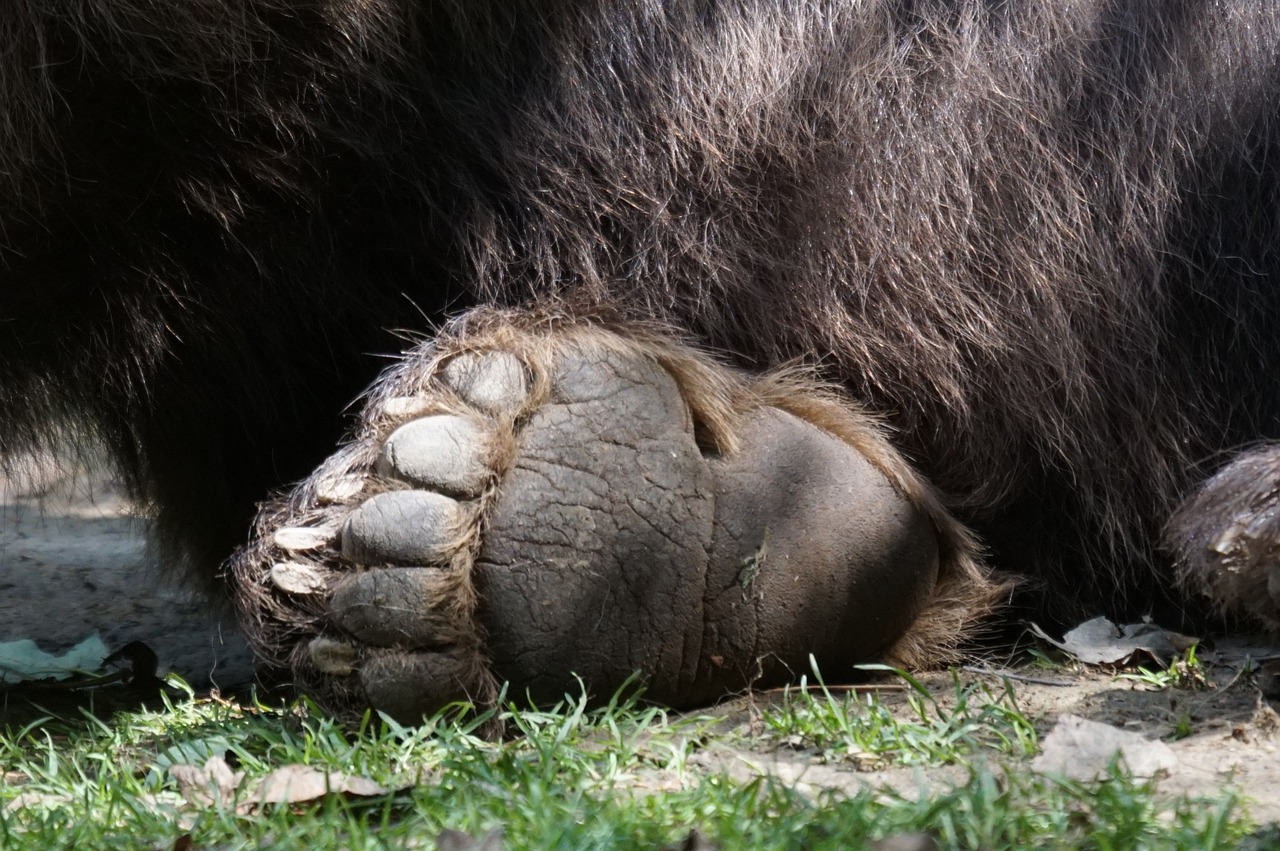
{"points": [[298, 784], [213, 784]]}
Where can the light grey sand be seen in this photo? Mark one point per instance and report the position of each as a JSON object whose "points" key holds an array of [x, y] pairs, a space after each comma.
{"points": [[73, 562]]}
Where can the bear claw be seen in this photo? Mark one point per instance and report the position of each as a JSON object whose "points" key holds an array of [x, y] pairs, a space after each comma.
{"points": [[538, 504]]}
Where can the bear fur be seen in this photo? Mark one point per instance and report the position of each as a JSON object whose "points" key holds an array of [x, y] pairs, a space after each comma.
{"points": [[1038, 239]]}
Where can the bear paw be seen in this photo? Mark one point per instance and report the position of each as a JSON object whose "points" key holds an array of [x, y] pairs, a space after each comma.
{"points": [[535, 501], [1225, 538]]}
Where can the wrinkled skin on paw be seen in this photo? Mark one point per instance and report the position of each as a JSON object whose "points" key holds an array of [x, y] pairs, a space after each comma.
{"points": [[616, 546], [554, 509]]}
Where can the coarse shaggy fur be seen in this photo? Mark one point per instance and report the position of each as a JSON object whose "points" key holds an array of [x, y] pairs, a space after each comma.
{"points": [[1037, 238]]}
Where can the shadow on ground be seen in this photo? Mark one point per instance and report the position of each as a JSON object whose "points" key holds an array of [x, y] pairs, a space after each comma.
{"points": [[74, 573]]}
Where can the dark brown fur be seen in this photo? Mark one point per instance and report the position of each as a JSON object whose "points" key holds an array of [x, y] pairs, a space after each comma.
{"points": [[1039, 238]]}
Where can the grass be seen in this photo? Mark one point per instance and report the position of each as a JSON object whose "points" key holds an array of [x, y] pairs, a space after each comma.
{"points": [[862, 728], [1185, 672], [622, 776]]}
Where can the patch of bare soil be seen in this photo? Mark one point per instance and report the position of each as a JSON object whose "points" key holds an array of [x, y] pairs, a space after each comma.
{"points": [[74, 563], [1221, 736]]}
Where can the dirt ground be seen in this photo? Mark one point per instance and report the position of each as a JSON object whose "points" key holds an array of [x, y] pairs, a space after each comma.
{"points": [[1224, 736], [73, 564]]}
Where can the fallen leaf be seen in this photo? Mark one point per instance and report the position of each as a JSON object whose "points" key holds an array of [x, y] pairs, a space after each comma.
{"points": [[1100, 642], [24, 660], [298, 784], [1080, 749], [137, 661], [1268, 677], [213, 784], [1239, 655]]}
